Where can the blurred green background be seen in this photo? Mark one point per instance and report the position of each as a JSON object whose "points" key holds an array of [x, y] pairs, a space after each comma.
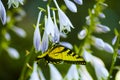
{"points": [[10, 69]]}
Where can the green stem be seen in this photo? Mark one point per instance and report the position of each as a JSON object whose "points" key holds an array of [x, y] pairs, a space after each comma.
{"points": [[90, 31], [24, 70], [114, 58]]}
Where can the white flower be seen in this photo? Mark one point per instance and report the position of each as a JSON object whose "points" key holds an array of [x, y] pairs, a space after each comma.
{"points": [[114, 40], [21, 1], [13, 53], [84, 74], [87, 56], [14, 3], [102, 28], [40, 74], [108, 48], [37, 39], [19, 31], [65, 23], [2, 13], [56, 37], [34, 75], [100, 70], [66, 44], [45, 42], [97, 63], [82, 34], [98, 43], [7, 36], [72, 73], [63, 35], [102, 15], [71, 6], [117, 77], [37, 73], [101, 45], [49, 27], [54, 73], [37, 36], [118, 53], [80, 2]]}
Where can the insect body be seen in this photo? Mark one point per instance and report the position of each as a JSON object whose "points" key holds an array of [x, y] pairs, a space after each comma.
{"points": [[59, 53]]}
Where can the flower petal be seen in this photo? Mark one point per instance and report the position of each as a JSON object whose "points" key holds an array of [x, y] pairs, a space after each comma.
{"points": [[66, 44], [37, 36], [98, 43], [45, 42], [65, 23], [71, 6], [56, 37], [114, 40], [80, 2], [49, 27], [7, 37], [87, 56], [84, 74], [37, 73], [82, 34], [108, 48], [14, 3], [19, 31], [13, 53], [54, 73], [72, 73], [117, 77], [37, 39], [2, 13], [102, 28], [101, 71]]}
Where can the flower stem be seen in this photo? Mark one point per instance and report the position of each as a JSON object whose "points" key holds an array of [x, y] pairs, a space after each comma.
{"points": [[24, 70], [114, 57]]}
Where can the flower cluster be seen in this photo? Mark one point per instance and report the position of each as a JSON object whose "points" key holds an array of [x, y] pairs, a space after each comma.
{"points": [[10, 21], [94, 26], [116, 55], [14, 3], [52, 30], [71, 5]]}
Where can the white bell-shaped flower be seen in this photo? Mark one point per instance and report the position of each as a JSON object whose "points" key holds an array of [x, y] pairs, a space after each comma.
{"points": [[37, 36], [71, 6], [2, 13], [65, 23], [54, 73], [72, 73]]}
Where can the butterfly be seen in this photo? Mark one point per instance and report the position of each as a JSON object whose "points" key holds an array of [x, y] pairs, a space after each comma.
{"points": [[59, 54]]}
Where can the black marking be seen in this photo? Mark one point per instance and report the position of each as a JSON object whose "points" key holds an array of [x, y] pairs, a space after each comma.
{"points": [[70, 52], [74, 54], [38, 59], [65, 49], [76, 62], [51, 60], [77, 56]]}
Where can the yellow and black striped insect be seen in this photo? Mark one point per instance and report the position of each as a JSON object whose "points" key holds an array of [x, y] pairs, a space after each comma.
{"points": [[59, 53]]}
